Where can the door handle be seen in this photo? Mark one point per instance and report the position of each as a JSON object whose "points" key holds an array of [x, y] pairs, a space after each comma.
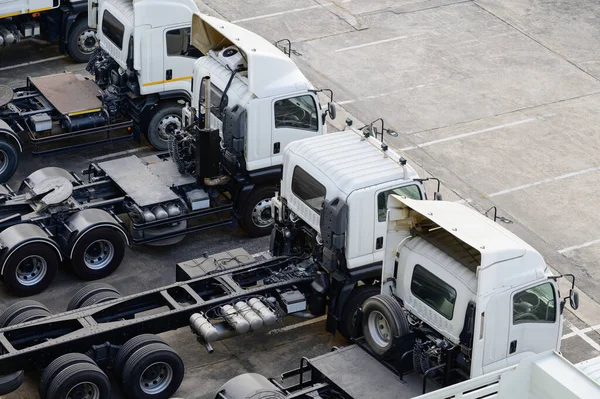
{"points": [[169, 74], [276, 148], [513, 347], [379, 243]]}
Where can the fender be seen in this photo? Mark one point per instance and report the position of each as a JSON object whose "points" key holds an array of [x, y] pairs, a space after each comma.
{"points": [[6, 130], [83, 222], [141, 108], [16, 236], [70, 15]]}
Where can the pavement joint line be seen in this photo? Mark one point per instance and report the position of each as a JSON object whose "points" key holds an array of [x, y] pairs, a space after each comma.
{"points": [[583, 330], [117, 154], [376, 42], [276, 14], [469, 134], [297, 325], [543, 181], [574, 247], [374, 96], [584, 337], [58, 57]]}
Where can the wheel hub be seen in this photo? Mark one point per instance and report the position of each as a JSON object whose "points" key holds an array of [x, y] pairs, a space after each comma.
{"points": [[168, 125], [99, 254], [156, 378], [3, 161], [261, 214], [84, 390], [31, 270], [379, 329], [87, 41]]}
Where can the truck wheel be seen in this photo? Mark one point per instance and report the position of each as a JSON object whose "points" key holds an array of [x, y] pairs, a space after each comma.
{"points": [[82, 41], [10, 382], [165, 120], [79, 380], [98, 253], [257, 219], [132, 346], [13, 311], [92, 294], [383, 320], [153, 371], [30, 269], [59, 364], [350, 322], [9, 160]]}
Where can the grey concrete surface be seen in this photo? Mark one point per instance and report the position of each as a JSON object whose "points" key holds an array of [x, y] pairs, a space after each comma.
{"points": [[499, 99]]}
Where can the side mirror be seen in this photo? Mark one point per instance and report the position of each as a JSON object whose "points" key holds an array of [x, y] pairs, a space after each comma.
{"points": [[392, 133], [574, 299], [331, 110], [437, 196]]}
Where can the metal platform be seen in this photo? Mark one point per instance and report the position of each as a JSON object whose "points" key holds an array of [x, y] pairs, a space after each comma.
{"points": [[167, 172], [346, 369], [137, 180], [70, 94]]}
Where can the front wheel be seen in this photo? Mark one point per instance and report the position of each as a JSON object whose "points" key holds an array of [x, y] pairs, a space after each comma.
{"points": [[166, 119], [257, 219], [82, 41], [9, 160]]}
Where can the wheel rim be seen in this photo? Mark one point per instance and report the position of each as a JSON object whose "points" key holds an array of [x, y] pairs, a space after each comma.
{"points": [[99, 254], [168, 125], [84, 390], [3, 161], [379, 329], [31, 270], [156, 378], [261, 213], [87, 41]]}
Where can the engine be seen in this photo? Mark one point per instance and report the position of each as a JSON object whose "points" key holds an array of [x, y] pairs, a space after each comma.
{"points": [[182, 149]]}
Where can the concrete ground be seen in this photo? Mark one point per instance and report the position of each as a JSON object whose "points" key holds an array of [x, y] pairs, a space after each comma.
{"points": [[498, 99]]}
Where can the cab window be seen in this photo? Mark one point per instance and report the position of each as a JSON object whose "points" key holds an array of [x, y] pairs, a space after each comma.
{"points": [[309, 190], [411, 191], [535, 305], [178, 43], [113, 29], [434, 292], [297, 113]]}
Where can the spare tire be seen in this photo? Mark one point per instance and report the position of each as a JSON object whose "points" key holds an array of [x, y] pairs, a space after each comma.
{"points": [[383, 321]]}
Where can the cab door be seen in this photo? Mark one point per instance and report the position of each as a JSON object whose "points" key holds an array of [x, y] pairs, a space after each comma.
{"points": [[179, 57], [535, 321], [407, 189], [294, 118]]}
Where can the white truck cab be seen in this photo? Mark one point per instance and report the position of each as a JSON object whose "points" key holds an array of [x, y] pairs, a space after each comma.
{"points": [[259, 96], [151, 37], [471, 291]]}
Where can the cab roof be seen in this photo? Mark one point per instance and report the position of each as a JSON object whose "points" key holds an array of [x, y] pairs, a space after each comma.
{"points": [[270, 71], [349, 160]]}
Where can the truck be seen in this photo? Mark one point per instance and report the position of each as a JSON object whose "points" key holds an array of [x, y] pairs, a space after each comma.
{"points": [[59, 21], [142, 72], [209, 292], [351, 373], [461, 299], [264, 103]]}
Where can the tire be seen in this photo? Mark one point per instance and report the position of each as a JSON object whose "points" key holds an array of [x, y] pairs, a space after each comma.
{"points": [[131, 346], [349, 322], [30, 269], [10, 382], [98, 253], [14, 310], [383, 319], [80, 375], [9, 160], [257, 212], [80, 43], [92, 294], [59, 364], [165, 120], [153, 371], [416, 357]]}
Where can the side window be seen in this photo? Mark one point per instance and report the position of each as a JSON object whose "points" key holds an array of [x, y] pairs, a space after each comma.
{"points": [[178, 43], [535, 305], [412, 191], [297, 113], [113, 29], [433, 291], [309, 190]]}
